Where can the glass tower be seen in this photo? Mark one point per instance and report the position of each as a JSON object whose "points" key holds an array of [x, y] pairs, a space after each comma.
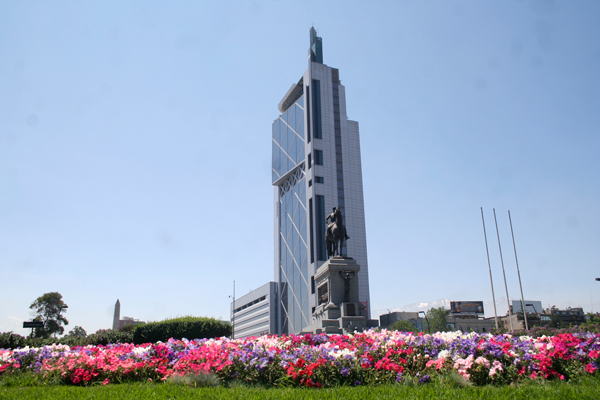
{"points": [[315, 166]]}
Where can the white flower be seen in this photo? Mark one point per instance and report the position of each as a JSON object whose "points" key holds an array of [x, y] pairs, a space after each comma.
{"points": [[141, 350]]}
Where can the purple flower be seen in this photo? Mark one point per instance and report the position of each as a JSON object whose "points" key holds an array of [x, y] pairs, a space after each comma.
{"points": [[345, 371]]}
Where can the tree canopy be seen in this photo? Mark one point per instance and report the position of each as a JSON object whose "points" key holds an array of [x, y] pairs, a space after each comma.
{"points": [[436, 320], [49, 309], [403, 326], [77, 332]]}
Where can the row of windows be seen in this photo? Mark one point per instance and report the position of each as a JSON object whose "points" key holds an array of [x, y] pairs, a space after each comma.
{"points": [[250, 304]]}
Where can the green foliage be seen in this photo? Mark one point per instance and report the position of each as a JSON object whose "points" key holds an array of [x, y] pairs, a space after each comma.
{"points": [[77, 332], [436, 320], [9, 340], [179, 328], [106, 336], [49, 309], [556, 321], [131, 327], [403, 326]]}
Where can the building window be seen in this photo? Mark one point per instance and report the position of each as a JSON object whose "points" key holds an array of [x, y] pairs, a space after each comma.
{"points": [[310, 228], [319, 179], [320, 228], [316, 108], [310, 183], [318, 157], [312, 285], [310, 160]]}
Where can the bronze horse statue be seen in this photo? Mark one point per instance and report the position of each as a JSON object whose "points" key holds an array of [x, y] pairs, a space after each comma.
{"points": [[336, 233]]}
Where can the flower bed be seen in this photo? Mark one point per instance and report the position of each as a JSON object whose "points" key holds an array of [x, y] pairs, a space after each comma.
{"points": [[368, 358]]}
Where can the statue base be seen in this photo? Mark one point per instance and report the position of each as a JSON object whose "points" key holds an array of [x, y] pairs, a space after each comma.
{"points": [[339, 310]]}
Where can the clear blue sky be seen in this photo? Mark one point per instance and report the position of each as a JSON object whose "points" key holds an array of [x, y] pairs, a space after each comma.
{"points": [[135, 148]]}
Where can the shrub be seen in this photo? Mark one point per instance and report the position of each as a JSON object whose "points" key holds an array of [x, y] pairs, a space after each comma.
{"points": [[106, 336], [9, 340], [179, 328]]}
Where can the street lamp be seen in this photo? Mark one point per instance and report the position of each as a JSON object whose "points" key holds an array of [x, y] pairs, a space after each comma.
{"points": [[233, 313]]}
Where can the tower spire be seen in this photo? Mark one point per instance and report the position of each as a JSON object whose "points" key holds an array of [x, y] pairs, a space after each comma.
{"points": [[316, 46]]}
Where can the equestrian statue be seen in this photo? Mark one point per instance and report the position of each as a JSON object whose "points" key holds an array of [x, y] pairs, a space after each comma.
{"points": [[336, 233]]}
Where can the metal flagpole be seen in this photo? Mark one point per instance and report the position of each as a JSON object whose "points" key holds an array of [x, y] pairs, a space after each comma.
{"points": [[519, 274], [490, 269], [503, 273]]}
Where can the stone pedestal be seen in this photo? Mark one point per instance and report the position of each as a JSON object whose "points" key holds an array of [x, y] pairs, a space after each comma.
{"points": [[339, 310]]}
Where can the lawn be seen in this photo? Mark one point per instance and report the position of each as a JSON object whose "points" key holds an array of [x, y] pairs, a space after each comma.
{"points": [[584, 389]]}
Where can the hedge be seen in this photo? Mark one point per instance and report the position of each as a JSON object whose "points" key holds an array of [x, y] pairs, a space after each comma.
{"points": [[179, 328]]}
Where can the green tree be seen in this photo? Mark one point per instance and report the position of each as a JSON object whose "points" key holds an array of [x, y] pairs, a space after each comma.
{"points": [[77, 332], [403, 326], [436, 320], [556, 321], [49, 309]]}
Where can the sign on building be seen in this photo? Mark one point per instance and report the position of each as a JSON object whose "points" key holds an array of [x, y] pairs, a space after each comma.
{"points": [[466, 307]]}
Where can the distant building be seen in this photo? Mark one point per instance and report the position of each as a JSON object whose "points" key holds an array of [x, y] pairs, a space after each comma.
{"points": [[570, 316], [531, 307], [255, 314], [468, 316], [387, 320], [471, 324], [119, 323]]}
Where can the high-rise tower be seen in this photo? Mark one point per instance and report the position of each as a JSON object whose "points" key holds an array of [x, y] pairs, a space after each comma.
{"points": [[315, 166]]}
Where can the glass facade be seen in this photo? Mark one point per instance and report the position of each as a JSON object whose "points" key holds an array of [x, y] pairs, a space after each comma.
{"points": [[289, 173], [316, 108], [288, 140]]}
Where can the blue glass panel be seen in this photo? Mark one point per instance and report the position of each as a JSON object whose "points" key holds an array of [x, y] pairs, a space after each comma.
{"points": [[300, 129], [292, 117], [276, 133], [301, 101], [299, 117], [293, 147], [285, 116]]}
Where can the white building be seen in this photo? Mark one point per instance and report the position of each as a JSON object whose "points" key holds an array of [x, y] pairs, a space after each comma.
{"points": [[255, 314]]}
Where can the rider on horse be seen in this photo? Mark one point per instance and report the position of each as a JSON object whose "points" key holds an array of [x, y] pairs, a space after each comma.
{"points": [[335, 217]]}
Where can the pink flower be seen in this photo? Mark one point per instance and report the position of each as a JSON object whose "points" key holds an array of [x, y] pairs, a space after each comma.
{"points": [[590, 369], [106, 382], [483, 361]]}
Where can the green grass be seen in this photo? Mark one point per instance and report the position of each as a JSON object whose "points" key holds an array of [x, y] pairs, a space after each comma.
{"points": [[584, 389]]}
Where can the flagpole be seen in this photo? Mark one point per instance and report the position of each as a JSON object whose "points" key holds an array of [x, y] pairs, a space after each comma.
{"points": [[490, 269]]}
